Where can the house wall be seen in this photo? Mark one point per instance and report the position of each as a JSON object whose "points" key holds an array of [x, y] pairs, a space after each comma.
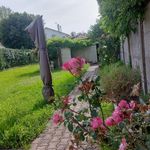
{"points": [[89, 53], [49, 33], [139, 44]]}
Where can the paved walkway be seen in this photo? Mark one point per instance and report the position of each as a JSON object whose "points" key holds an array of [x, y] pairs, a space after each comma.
{"points": [[59, 138]]}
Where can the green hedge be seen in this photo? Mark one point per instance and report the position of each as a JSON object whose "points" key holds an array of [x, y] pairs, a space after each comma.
{"points": [[15, 57]]}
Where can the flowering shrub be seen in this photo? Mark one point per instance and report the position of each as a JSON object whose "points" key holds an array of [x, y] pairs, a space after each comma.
{"points": [[128, 126], [74, 66]]}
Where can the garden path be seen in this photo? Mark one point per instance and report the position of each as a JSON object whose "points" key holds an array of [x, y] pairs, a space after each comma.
{"points": [[59, 138]]}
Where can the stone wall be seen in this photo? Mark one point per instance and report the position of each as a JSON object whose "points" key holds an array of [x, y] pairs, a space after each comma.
{"points": [[65, 54], [89, 53], [137, 45]]}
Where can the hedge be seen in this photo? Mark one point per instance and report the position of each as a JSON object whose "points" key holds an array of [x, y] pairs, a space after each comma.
{"points": [[15, 57]]}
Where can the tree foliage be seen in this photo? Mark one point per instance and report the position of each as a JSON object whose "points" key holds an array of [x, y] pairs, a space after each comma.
{"points": [[95, 32], [12, 31], [120, 17], [108, 45], [4, 12]]}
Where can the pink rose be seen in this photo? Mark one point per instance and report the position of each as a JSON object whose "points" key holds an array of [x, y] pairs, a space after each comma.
{"points": [[81, 61], [133, 105], [74, 65], [109, 121], [66, 66], [66, 100], [123, 145], [96, 122], [123, 104], [117, 116], [57, 118]]}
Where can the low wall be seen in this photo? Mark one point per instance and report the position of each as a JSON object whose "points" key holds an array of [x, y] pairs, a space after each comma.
{"points": [[89, 53], [65, 54]]}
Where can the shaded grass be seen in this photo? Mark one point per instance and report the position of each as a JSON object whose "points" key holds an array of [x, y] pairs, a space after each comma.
{"points": [[23, 112], [107, 109]]}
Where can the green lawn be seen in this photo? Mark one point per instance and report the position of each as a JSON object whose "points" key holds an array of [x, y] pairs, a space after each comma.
{"points": [[23, 112]]}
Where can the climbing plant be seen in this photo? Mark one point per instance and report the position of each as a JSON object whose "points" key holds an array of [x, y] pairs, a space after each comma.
{"points": [[120, 17], [56, 43]]}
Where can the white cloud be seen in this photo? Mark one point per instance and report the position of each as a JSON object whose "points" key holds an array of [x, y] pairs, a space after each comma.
{"points": [[72, 15]]}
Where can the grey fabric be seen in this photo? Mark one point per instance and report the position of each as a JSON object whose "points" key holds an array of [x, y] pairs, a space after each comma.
{"points": [[36, 31]]}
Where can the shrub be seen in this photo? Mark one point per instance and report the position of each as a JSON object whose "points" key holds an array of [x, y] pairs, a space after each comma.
{"points": [[15, 57], [117, 80], [127, 126]]}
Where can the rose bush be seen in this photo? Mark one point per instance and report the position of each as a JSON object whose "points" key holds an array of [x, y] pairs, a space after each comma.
{"points": [[127, 128]]}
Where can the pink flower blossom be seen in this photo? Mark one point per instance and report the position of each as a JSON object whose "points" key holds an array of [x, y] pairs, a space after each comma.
{"points": [[109, 121], [74, 65], [66, 66], [133, 105], [123, 145], [123, 104], [117, 116], [96, 122], [121, 112], [81, 61], [57, 118], [66, 100]]}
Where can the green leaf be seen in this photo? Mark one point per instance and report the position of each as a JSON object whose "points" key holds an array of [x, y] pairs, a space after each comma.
{"points": [[94, 135], [82, 137], [94, 113], [68, 115], [70, 127]]}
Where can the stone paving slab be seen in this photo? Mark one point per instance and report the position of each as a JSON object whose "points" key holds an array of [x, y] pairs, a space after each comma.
{"points": [[58, 137]]}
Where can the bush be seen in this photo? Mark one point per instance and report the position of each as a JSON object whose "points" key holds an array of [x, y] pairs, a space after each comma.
{"points": [[124, 127], [15, 57], [117, 80]]}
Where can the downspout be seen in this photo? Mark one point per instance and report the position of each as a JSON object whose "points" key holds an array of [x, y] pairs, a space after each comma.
{"points": [[143, 56], [129, 51]]}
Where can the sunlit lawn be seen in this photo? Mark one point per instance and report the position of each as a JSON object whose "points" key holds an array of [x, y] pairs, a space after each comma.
{"points": [[23, 112]]}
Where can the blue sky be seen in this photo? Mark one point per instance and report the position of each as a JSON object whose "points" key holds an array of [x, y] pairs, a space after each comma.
{"points": [[72, 15]]}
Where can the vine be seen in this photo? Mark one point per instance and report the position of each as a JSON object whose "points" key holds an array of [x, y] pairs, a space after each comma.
{"points": [[120, 17]]}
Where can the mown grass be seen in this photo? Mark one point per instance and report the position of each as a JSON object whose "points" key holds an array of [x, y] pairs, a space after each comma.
{"points": [[23, 112]]}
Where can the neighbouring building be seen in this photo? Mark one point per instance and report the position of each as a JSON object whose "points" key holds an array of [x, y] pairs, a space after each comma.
{"points": [[49, 33], [1, 46]]}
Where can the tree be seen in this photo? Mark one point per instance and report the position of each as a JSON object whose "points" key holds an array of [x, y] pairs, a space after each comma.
{"points": [[12, 31], [95, 33], [120, 17], [4, 12], [108, 45]]}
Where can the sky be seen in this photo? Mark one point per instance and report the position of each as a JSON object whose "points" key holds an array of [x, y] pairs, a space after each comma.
{"points": [[72, 15]]}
